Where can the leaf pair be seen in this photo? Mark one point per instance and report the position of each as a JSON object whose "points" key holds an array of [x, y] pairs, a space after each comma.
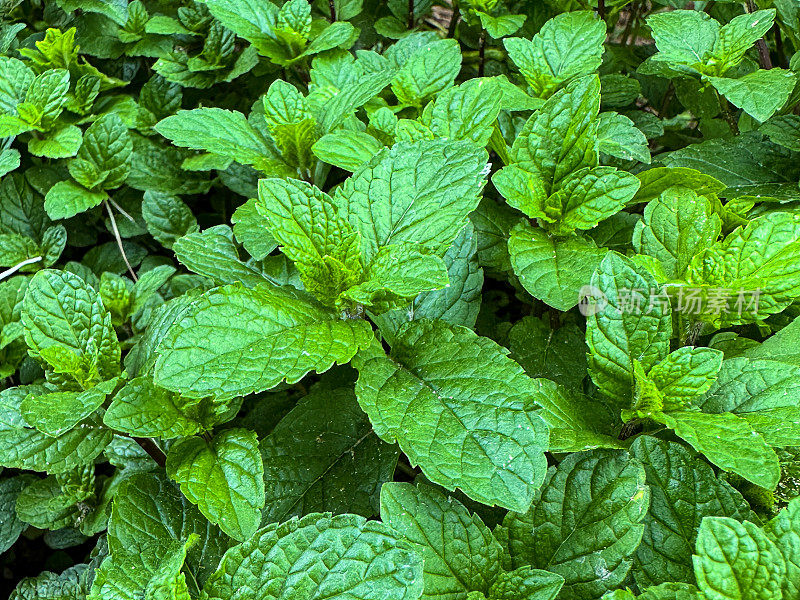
{"points": [[711, 52]]}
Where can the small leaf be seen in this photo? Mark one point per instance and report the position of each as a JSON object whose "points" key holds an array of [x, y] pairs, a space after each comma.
{"points": [[224, 477]]}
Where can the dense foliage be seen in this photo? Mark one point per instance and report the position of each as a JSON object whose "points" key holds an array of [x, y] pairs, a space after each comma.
{"points": [[362, 300]]}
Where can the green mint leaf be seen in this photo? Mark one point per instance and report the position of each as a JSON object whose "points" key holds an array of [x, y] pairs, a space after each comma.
{"points": [[526, 584], [467, 111], [458, 302], [501, 25], [761, 391], [768, 245], [555, 354], [149, 512], [619, 137], [658, 180], [291, 124], [322, 243], [587, 517], [141, 409], [223, 132], [567, 46], [347, 150], [760, 94], [324, 456], [685, 375], [167, 217], [729, 442], [24, 447], [168, 582], [747, 165], [58, 412], [213, 253], [677, 224], [350, 557], [61, 310], [440, 374], [401, 270], [553, 269], [561, 137], [251, 229], [224, 477], [233, 340], [738, 36], [576, 422], [67, 199], [62, 142], [782, 346], [107, 146], [684, 491], [459, 553], [783, 531], [10, 524], [16, 78], [428, 71], [69, 584], [737, 561], [250, 20], [685, 38], [783, 130], [46, 97], [417, 192], [621, 329]]}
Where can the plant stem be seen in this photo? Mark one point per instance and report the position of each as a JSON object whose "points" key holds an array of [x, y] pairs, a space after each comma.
{"points": [[727, 115], [118, 237], [630, 428], [332, 6], [481, 53], [18, 266], [411, 14], [763, 50], [152, 449], [633, 16], [601, 9], [454, 18]]}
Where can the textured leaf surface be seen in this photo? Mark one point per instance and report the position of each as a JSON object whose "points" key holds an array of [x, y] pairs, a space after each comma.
{"points": [[568, 45], [764, 392], [141, 409], [553, 269], [585, 522], [737, 561], [416, 192], [676, 225], [150, 511], [622, 330], [729, 442], [222, 132], [61, 310], [224, 477], [324, 456], [460, 409], [684, 490], [317, 557], [459, 553], [233, 340]]}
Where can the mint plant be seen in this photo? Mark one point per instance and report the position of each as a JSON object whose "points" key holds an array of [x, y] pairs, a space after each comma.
{"points": [[360, 300]]}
